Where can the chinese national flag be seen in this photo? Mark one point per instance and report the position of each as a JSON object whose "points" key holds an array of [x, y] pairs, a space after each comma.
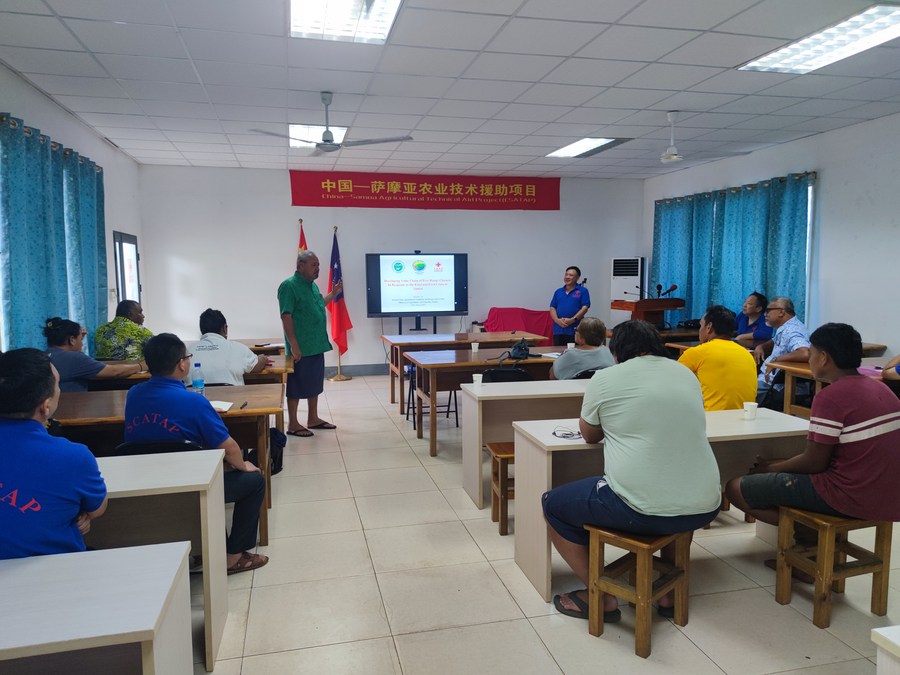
{"points": [[340, 319], [302, 245]]}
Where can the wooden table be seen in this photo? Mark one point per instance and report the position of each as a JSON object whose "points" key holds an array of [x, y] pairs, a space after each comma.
{"points": [[399, 344], [97, 419], [869, 348], [446, 370], [800, 370], [544, 461], [171, 497], [274, 373], [272, 346], [488, 411], [123, 610]]}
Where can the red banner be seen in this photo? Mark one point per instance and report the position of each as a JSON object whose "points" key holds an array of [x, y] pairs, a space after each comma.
{"points": [[414, 191]]}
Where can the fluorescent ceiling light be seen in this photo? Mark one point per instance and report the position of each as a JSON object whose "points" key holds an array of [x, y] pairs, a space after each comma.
{"points": [[876, 25], [587, 147], [346, 20], [308, 132]]}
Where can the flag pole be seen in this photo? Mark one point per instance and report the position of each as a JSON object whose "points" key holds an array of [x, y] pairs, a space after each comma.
{"points": [[339, 376]]}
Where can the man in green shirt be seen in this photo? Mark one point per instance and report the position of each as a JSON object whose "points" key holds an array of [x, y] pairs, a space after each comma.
{"points": [[302, 310], [123, 338]]}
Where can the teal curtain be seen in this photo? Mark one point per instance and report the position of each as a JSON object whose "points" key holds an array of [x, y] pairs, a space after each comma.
{"points": [[740, 240], [52, 236]]}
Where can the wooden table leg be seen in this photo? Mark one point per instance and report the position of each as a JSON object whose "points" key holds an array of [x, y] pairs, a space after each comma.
{"points": [[262, 450], [432, 412], [401, 384]]}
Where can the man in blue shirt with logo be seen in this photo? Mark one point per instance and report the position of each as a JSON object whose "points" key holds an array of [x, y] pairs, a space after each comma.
{"points": [[790, 342], [162, 409], [50, 488], [569, 304]]}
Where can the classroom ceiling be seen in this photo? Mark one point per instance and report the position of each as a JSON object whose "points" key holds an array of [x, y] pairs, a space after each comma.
{"points": [[485, 87]]}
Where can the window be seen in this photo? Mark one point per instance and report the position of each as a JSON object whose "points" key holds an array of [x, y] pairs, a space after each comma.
{"points": [[128, 276]]}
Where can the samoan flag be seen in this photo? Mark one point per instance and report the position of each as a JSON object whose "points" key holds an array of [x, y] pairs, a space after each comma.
{"points": [[340, 318]]}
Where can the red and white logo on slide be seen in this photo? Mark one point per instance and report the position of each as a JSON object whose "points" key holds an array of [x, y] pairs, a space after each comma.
{"points": [[438, 267]]}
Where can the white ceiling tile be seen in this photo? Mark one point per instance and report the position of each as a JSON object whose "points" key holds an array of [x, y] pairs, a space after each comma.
{"points": [[486, 90], [122, 38], [80, 104], [397, 105], [77, 86], [578, 10], [179, 109], [822, 124], [812, 85], [541, 36], [249, 164], [595, 116], [384, 84], [742, 82], [757, 105], [175, 160], [666, 76], [181, 124], [51, 61], [114, 120], [341, 101], [691, 100], [243, 74], [247, 95], [772, 121], [617, 97], [794, 19], [632, 43], [454, 124], [530, 112], [476, 147], [492, 7], [267, 18], [594, 72], [164, 91], [493, 138], [157, 154], [818, 107], [522, 67], [696, 14], [25, 6], [251, 113], [712, 120], [724, 51], [340, 82], [733, 134], [877, 62], [420, 61], [387, 121], [480, 109], [135, 144], [449, 30], [209, 45], [333, 55], [128, 11], [871, 90], [47, 32], [125, 133], [195, 137], [508, 127], [872, 110], [128, 67], [558, 94]]}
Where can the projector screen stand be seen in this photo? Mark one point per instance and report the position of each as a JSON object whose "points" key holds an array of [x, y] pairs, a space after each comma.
{"points": [[418, 327]]}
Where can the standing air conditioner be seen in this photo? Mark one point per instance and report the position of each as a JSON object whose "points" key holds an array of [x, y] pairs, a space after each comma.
{"points": [[629, 282]]}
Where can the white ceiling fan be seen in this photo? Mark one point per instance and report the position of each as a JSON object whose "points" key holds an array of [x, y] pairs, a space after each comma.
{"points": [[671, 154], [327, 143]]}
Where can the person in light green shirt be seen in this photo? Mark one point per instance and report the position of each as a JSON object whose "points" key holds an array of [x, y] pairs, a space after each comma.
{"points": [[302, 310], [660, 475], [123, 338]]}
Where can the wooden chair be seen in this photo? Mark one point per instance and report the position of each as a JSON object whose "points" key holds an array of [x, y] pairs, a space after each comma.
{"points": [[411, 402], [827, 561], [640, 589], [502, 486]]}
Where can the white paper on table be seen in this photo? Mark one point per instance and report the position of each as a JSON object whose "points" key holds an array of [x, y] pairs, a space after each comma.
{"points": [[221, 406]]}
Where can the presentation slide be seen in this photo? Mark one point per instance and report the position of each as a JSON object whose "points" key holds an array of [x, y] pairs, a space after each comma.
{"points": [[417, 283]]}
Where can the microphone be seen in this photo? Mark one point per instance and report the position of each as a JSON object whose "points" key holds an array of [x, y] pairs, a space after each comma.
{"points": [[673, 287], [658, 290], [640, 292]]}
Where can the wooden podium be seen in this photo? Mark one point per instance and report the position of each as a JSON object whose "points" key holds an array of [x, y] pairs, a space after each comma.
{"points": [[648, 309]]}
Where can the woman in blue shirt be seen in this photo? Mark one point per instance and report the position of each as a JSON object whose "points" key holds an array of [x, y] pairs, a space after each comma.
{"points": [[751, 320]]}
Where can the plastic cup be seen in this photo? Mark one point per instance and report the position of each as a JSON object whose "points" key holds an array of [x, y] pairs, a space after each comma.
{"points": [[570, 345], [750, 408], [476, 378], [474, 346]]}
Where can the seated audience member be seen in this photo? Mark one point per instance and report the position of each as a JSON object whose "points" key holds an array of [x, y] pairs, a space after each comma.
{"points": [[851, 465], [162, 409], [65, 340], [790, 342], [221, 360], [891, 370], [590, 353], [726, 370], [751, 320], [50, 488], [123, 338], [661, 475]]}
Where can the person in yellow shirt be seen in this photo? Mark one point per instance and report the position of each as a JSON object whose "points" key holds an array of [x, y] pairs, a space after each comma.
{"points": [[726, 370]]}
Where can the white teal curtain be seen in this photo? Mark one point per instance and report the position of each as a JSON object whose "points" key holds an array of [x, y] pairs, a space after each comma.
{"points": [[718, 247], [52, 236]]}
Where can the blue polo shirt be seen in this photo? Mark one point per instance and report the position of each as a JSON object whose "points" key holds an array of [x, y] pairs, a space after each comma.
{"points": [[162, 409], [567, 306], [75, 368], [45, 482]]}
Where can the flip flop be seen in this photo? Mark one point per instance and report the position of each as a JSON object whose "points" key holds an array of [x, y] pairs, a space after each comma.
{"points": [[248, 562], [612, 616], [322, 425], [302, 433]]}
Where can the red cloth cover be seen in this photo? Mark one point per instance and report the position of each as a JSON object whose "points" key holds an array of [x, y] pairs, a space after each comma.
{"points": [[517, 318]]}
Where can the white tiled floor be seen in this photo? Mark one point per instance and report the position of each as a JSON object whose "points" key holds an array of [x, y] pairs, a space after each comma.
{"points": [[381, 564]]}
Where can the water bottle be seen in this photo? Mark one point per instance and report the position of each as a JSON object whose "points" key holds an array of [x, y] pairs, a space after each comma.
{"points": [[197, 382]]}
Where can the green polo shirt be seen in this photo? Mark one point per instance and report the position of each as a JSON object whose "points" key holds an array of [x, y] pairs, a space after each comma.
{"points": [[301, 299]]}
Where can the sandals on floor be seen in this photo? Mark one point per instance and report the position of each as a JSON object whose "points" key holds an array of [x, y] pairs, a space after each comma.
{"points": [[248, 562], [322, 425], [612, 616], [302, 433]]}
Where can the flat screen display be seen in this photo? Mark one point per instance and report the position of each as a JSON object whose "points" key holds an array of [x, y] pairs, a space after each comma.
{"points": [[414, 284]]}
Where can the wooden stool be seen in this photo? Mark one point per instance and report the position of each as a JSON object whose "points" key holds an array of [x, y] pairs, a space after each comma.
{"points": [[502, 486], [827, 561], [641, 590]]}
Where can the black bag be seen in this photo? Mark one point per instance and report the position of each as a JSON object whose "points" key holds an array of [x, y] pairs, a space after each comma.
{"points": [[519, 350], [690, 324], [277, 441]]}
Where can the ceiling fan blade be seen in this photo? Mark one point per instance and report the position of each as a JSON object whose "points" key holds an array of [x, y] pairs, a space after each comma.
{"points": [[279, 135], [373, 141]]}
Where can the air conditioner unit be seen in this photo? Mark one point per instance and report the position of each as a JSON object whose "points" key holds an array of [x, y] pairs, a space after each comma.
{"points": [[629, 282]]}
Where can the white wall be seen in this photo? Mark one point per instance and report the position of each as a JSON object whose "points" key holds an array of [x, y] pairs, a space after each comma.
{"points": [[226, 238], [120, 172], [857, 225]]}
